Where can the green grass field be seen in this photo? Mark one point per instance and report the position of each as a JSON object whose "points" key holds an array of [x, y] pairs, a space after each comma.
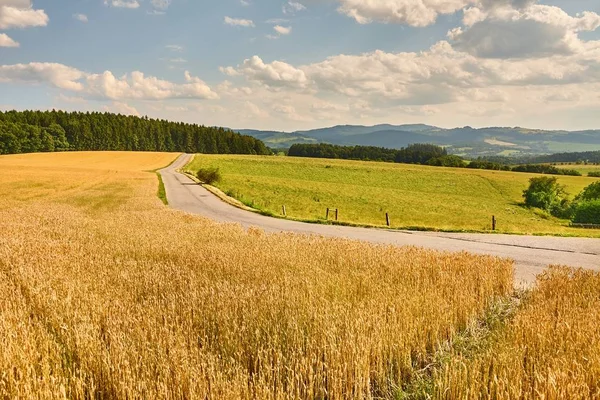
{"points": [[584, 169], [415, 196]]}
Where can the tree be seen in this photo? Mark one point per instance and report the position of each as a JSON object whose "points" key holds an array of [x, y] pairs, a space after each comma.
{"points": [[544, 192], [592, 192]]}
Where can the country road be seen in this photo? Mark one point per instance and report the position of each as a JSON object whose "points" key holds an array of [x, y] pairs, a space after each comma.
{"points": [[532, 254]]}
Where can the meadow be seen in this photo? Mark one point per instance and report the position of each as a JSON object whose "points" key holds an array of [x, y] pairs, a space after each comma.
{"points": [[584, 169], [105, 293], [416, 197]]}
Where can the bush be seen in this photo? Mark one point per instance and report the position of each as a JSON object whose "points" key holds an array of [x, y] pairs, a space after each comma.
{"points": [[447, 161], [594, 174], [208, 176], [545, 193], [587, 212], [591, 192]]}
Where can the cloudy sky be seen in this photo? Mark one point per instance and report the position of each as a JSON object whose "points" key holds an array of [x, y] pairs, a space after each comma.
{"points": [[288, 65]]}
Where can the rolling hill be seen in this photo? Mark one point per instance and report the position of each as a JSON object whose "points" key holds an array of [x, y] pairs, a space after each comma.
{"points": [[464, 141]]}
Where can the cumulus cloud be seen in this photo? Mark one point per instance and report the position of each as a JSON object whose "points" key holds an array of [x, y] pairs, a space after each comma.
{"points": [[439, 75], [58, 75], [530, 31], [121, 108], [276, 74], [246, 23], [283, 30], [137, 86], [6, 41], [131, 4], [133, 86], [417, 13], [20, 14]]}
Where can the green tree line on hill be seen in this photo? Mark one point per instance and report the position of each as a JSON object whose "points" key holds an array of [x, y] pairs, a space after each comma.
{"points": [[586, 157], [424, 154], [47, 131], [413, 154]]}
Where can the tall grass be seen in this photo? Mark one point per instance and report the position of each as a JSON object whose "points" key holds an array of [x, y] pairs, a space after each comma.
{"points": [[551, 350], [106, 294]]}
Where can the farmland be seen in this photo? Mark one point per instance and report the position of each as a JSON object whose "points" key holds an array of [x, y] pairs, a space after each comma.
{"points": [[419, 197], [584, 169], [105, 293]]}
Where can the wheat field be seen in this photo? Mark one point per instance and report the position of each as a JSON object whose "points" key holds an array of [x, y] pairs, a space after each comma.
{"points": [[105, 293], [550, 350]]}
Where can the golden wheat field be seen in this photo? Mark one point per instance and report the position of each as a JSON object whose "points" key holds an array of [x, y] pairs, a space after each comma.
{"points": [[107, 294], [550, 350]]}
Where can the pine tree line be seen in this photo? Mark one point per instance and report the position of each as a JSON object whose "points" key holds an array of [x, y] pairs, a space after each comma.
{"points": [[47, 131]]}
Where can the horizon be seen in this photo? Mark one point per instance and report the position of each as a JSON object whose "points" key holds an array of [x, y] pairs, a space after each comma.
{"points": [[300, 65]]}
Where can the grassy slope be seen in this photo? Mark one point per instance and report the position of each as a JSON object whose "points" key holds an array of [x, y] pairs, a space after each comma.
{"points": [[415, 196]]}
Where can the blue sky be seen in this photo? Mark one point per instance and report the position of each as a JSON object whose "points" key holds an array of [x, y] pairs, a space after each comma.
{"points": [[288, 65]]}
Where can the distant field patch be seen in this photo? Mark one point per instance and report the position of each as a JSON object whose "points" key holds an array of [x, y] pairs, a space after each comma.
{"points": [[110, 160], [414, 196]]}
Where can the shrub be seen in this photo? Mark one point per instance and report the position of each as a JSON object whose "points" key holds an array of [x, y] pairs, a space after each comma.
{"points": [[587, 212], [447, 161], [594, 174], [208, 175], [591, 192], [545, 193]]}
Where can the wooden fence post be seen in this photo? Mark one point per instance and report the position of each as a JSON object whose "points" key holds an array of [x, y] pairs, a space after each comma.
{"points": [[494, 222], [387, 219], [327, 215], [337, 214], [284, 211]]}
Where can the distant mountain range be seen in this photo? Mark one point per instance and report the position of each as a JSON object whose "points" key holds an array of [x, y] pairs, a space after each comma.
{"points": [[462, 141]]}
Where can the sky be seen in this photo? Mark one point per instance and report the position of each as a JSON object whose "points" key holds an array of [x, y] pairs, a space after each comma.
{"points": [[303, 64]]}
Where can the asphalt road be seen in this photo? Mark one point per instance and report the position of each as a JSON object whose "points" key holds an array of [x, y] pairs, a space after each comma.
{"points": [[532, 254]]}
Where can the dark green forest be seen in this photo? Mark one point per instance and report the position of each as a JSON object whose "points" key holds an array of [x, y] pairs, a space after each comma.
{"points": [[413, 154], [48, 131]]}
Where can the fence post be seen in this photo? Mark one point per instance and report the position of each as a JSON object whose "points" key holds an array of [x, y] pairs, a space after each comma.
{"points": [[284, 211], [327, 215], [336, 214], [494, 222], [387, 219]]}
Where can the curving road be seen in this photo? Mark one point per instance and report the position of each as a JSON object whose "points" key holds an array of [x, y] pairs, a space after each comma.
{"points": [[532, 254]]}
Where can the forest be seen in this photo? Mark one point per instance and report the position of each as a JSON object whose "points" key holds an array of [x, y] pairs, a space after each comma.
{"points": [[48, 131], [412, 154]]}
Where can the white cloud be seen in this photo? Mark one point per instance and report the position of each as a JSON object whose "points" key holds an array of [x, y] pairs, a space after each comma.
{"points": [[80, 17], [174, 47], [245, 3], [410, 12], [131, 4], [121, 108], [20, 14], [239, 22], [533, 31], [58, 75], [276, 74], [292, 7], [134, 86], [283, 30], [6, 41]]}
